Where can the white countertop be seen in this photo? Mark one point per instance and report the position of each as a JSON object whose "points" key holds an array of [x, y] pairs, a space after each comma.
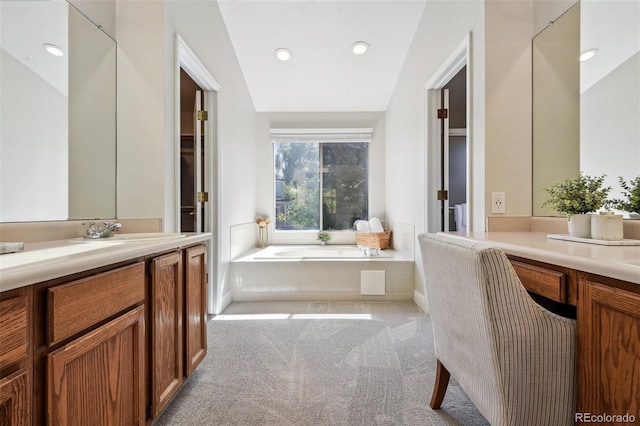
{"points": [[619, 262], [52, 259]]}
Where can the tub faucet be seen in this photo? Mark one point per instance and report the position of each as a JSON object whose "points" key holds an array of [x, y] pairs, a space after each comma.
{"points": [[95, 232], [368, 251]]}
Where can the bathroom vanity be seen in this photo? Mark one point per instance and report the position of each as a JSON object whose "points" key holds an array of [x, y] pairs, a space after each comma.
{"points": [[101, 335], [603, 284]]}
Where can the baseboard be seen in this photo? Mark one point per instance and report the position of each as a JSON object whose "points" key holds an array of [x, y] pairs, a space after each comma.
{"points": [[420, 300]]}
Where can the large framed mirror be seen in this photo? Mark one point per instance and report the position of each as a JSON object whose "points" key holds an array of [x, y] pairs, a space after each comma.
{"points": [[585, 113], [58, 114]]}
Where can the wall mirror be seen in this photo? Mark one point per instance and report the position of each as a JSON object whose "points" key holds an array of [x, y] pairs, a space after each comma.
{"points": [[58, 114], [585, 113]]}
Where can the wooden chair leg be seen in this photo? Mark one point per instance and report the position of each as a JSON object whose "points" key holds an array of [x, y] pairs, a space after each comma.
{"points": [[440, 387]]}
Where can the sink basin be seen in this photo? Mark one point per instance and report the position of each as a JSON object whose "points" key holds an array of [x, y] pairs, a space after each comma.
{"points": [[136, 237]]}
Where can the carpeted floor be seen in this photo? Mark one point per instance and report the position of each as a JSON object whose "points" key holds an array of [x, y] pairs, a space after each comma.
{"points": [[318, 363]]}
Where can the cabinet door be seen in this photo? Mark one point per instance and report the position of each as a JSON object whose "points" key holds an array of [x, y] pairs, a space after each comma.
{"points": [[98, 379], [166, 305], [15, 399], [608, 350], [14, 329], [196, 307]]}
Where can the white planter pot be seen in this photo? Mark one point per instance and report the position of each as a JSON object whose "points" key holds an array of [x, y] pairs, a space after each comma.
{"points": [[580, 225], [607, 227]]}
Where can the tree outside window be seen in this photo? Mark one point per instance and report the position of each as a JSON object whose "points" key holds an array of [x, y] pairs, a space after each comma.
{"points": [[320, 186]]}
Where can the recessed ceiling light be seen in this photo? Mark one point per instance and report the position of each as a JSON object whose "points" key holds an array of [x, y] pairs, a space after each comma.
{"points": [[360, 47], [283, 54], [588, 54], [53, 49]]}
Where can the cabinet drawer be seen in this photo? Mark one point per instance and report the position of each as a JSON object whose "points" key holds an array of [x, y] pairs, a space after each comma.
{"points": [[13, 330], [545, 282], [78, 305]]}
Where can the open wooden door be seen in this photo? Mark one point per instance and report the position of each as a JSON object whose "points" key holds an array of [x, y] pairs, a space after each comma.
{"points": [[443, 191], [198, 116]]}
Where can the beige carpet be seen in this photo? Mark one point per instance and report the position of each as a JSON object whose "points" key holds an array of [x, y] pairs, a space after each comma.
{"points": [[318, 363]]}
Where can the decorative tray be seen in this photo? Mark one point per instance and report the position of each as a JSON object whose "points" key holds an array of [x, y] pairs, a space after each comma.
{"points": [[567, 237]]}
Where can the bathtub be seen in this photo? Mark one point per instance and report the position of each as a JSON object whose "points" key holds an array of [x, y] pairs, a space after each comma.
{"points": [[315, 252], [332, 272]]}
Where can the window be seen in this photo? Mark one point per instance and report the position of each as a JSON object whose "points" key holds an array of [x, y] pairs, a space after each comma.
{"points": [[321, 178]]}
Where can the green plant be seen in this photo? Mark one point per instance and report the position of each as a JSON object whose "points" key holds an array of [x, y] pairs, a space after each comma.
{"points": [[631, 192], [323, 236], [582, 194]]}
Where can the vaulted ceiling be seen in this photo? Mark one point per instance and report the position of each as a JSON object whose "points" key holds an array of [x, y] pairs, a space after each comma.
{"points": [[324, 74]]}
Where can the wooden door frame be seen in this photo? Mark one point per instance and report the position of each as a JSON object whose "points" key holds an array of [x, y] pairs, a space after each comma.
{"points": [[185, 59]]}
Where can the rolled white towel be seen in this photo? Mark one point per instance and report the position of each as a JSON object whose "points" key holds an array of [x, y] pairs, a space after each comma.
{"points": [[362, 226], [375, 225], [464, 216], [460, 217]]}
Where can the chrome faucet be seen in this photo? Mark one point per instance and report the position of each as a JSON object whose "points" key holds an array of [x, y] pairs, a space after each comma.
{"points": [[368, 251], [95, 232]]}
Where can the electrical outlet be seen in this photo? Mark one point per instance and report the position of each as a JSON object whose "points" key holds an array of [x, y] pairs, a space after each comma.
{"points": [[498, 204]]}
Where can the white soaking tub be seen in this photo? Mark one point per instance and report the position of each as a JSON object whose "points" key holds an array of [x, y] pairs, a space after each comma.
{"points": [[331, 272]]}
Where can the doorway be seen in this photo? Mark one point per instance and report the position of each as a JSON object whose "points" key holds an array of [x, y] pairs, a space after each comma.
{"points": [[448, 144], [192, 155], [453, 155], [203, 140]]}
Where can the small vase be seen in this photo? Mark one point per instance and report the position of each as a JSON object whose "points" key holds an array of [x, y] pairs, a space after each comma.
{"points": [[579, 225], [323, 243], [263, 236], [608, 227]]}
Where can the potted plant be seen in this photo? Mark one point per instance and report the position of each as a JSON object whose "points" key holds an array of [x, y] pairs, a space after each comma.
{"points": [[577, 198], [323, 237], [631, 202]]}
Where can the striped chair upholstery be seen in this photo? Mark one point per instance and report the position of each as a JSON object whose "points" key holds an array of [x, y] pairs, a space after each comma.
{"points": [[515, 360]]}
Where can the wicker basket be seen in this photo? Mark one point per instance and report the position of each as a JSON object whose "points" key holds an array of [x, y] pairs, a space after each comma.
{"points": [[377, 240]]}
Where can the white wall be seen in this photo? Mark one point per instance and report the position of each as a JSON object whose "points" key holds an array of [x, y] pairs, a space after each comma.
{"points": [[201, 27], [141, 168], [264, 151], [500, 117], [146, 112], [508, 149], [444, 25]]}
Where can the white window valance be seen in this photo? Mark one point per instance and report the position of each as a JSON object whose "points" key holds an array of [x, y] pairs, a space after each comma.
{"points": [[321, 135]]}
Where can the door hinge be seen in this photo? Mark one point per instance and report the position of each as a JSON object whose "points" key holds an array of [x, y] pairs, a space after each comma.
{"points": [[443, 113], [443, 195], [203, 197], [203, 115]]}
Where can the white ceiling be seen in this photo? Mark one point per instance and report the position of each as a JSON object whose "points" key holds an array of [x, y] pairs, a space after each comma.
{"points": [[324, 74]]}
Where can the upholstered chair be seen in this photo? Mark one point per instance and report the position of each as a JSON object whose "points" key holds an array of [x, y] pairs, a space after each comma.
{"points": [[515, 360]]}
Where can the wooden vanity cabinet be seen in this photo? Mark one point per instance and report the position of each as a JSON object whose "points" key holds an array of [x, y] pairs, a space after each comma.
{"points": [[16, 393], [165, 310], [608, 333], [608, 347], [195, 296], [176, 303], [93, 363], [109, 346]]}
